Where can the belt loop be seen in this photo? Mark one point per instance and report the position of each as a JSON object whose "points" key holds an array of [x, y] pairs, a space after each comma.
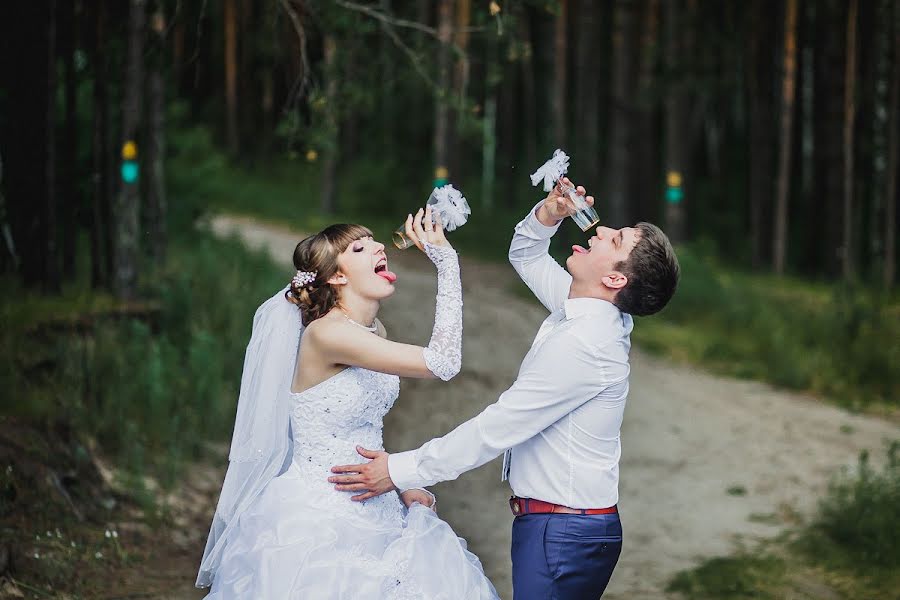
{"points": [[525, 502]]}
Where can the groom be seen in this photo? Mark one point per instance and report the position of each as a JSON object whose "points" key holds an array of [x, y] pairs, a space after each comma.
{"points": [[559, 422]]}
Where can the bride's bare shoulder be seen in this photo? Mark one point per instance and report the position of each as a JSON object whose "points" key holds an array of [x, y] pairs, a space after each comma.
{"points": [[328, 330]]}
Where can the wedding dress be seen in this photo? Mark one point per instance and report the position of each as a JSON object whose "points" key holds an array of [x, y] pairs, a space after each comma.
{"points": [[299, 538]]}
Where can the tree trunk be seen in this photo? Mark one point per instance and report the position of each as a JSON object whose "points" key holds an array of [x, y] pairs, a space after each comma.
{"points": [[156, 188], [829, 92], [100, 199], [51, 257], [621, 115], [126, 223], [779, 242], [267, 97], [52, 268], [489, 123], [847, 266], [559, 93], [676, 117], [231, 98], [644, 174], [509, 115], [24, 139], [890, 193], [178, 54], [461, 86], [809, 205], [441, 111], [587, 95], [386, 91], [69, 198], [529, 112], [760, 129], [329, 163]]}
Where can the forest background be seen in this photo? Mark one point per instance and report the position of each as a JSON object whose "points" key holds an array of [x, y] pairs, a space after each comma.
{"points": [[762, 136]]}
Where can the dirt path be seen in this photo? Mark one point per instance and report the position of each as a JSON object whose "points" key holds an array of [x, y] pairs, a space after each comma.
{"points": [[707, 462]]}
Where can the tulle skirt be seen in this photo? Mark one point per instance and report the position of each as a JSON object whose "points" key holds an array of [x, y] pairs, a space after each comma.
{"points": [[302, 539]]}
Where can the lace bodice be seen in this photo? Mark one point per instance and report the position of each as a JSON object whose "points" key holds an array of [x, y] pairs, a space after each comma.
{"points": [[330, 419], [328, 422]]}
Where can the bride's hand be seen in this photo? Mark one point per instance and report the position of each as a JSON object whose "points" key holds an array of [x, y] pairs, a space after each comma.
{"points": [[431, 231], [420, 496]]}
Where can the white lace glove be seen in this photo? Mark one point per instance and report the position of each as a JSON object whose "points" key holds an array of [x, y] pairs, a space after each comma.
{"points": [[443, 356]]}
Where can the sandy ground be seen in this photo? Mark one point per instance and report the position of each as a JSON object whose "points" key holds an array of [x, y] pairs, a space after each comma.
{"points": [[688, 437]]}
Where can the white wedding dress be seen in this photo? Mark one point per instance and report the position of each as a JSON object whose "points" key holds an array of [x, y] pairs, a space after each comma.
{"points": [[302, 539]]}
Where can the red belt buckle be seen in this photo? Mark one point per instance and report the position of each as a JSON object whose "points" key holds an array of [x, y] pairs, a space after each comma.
{"points": [[516, 506]]}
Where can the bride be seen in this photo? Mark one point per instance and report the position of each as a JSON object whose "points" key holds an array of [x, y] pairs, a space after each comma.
{"points": [[319, 376]]}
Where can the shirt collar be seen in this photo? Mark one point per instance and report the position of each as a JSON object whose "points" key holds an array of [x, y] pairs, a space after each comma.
{"points": [[577, 307]]}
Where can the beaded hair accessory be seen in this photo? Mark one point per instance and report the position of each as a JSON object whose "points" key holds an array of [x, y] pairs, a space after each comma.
{"points": [[304, 278]]}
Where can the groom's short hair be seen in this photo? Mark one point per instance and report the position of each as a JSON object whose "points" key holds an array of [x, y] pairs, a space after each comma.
{"points": [[652, 271]]}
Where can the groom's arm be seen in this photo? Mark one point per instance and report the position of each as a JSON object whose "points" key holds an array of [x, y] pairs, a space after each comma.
{"points": [[562, 375], [539, 397], [529, 255]]}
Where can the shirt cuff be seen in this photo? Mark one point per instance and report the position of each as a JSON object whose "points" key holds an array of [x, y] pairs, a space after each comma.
{"points": [[402, 470], [532, 227]]}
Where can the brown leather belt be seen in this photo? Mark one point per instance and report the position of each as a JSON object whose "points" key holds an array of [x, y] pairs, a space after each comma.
{"points": [[526, 506]]}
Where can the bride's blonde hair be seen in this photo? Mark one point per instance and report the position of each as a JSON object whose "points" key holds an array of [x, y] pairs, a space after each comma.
{"points": [[318, 254]]}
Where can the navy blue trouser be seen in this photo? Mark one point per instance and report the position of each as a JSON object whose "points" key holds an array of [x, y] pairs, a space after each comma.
{"points": [[564, 557]]}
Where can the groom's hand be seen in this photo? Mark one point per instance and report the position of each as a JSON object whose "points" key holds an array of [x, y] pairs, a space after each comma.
{"points": [[557, 206], [371, 477]]}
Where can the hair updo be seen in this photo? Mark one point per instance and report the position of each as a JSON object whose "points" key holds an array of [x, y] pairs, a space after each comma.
{"points": [[318, 254]]}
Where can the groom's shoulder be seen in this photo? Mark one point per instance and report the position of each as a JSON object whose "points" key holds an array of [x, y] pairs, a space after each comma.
{"points": [[597, 331]]}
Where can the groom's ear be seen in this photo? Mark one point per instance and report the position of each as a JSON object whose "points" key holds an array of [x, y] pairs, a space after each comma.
{"points": [[615, 280]]}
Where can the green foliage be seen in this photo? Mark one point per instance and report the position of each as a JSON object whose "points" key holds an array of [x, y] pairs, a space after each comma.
{"points": [[841, 342], [152, 387], [860, 515], [730, 578]]}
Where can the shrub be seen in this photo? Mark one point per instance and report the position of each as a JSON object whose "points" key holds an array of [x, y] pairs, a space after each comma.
{"points": [[861, 512]]}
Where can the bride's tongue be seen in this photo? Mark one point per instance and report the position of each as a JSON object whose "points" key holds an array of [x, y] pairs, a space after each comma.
{"points": [[579, 250], [390, 276]]}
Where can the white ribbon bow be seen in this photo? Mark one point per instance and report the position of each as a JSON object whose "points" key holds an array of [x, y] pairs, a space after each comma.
{"points": [[551, 170], [450, 204]]}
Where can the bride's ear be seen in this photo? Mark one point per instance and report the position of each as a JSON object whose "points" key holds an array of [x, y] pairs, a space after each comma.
{"points": [[338, 279]]}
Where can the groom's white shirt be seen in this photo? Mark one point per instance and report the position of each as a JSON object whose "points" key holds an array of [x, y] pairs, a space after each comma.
{"points": [[560, 420]]}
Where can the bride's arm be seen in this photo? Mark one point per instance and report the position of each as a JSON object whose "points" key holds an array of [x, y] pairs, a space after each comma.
{"points": [[347, 344]]}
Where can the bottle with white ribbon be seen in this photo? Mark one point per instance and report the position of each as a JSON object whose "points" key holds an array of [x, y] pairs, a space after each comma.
{"points": [[551, 173], [446, 202]]}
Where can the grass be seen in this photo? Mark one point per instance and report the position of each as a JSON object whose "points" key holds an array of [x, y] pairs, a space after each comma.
{"points": [[841, 343], [850, 550], [149, 389]]}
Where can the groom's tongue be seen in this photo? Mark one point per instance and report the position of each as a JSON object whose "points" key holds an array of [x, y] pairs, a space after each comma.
{"points": [[390, 276]]}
